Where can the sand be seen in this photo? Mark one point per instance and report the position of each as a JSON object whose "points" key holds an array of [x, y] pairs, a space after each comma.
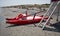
{"points": [[24, 30]]}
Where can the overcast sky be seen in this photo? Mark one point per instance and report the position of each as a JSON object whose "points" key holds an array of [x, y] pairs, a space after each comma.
{"points": [[21, 2]]}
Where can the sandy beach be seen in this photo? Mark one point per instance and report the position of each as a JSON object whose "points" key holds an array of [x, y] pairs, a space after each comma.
{"points": [[25, 30]]}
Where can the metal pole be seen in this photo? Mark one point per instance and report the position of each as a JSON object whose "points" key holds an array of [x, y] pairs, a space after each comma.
{"points": [[57, 14]]}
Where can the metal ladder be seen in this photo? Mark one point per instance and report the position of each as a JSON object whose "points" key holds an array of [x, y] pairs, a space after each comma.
{"points": [[51, 9]]}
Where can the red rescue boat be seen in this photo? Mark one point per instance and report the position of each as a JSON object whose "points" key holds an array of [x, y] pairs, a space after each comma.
{"points": [[24, 19]]}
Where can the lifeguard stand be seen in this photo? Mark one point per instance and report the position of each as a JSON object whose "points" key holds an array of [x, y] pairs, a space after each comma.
{"points": [[54, 5], [57, 8]]}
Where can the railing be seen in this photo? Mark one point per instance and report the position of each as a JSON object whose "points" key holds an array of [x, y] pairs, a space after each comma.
{"points": [[51, 14], [51, 9], [46, 13]]}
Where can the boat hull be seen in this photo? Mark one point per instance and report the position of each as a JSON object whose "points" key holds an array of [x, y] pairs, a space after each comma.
{"points": [[23, 22]]}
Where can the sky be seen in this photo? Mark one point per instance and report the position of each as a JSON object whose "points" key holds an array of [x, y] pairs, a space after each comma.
{"points": [[22, 2]]}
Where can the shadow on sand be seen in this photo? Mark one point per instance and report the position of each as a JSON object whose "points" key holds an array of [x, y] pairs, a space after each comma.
{"points": [[55, 25], [15, 25]]}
